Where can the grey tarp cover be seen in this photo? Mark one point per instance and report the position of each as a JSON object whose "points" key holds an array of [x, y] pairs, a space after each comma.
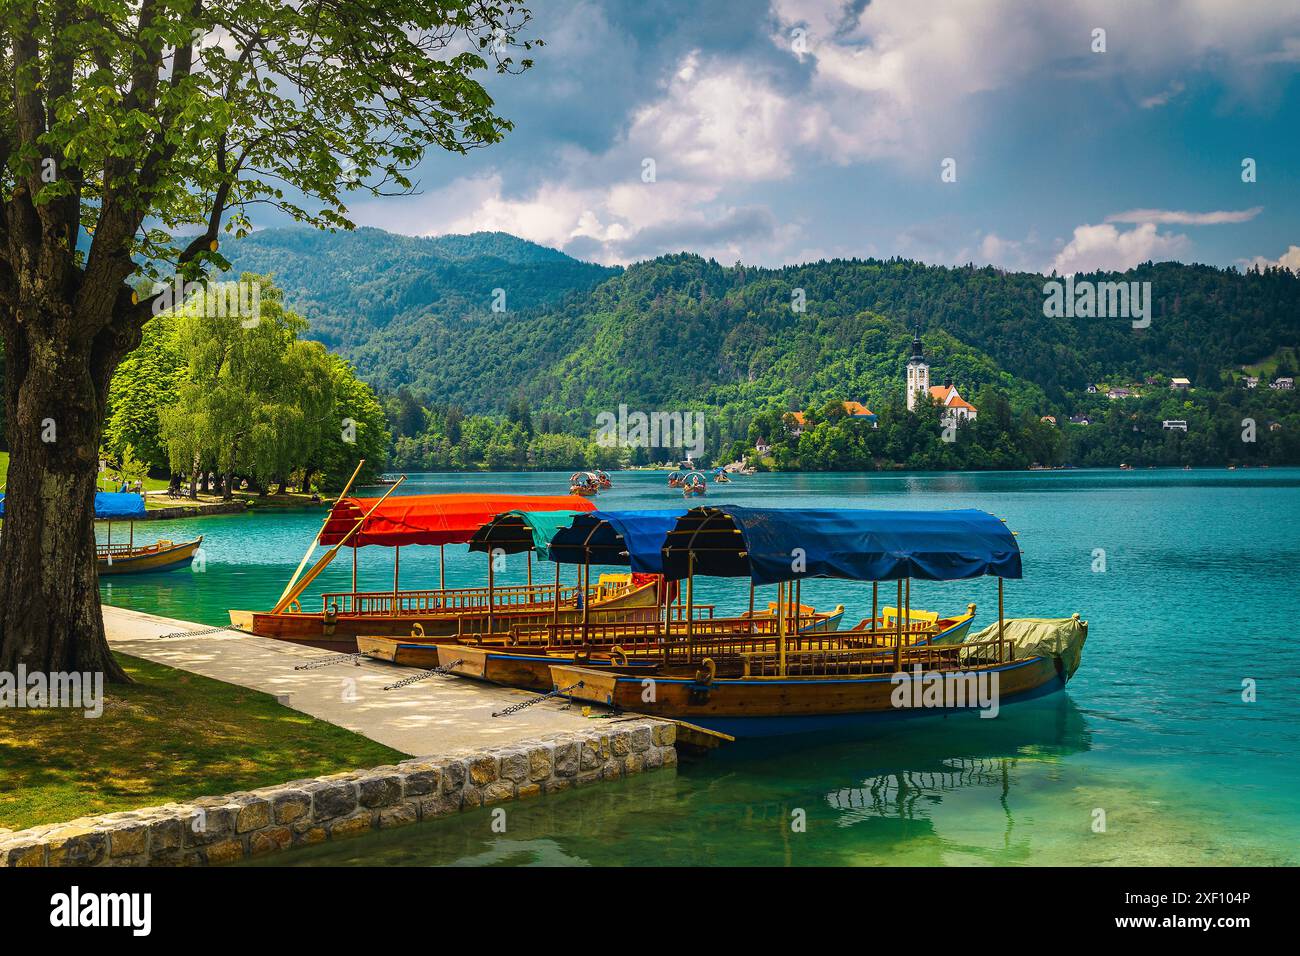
{"points": [[1061, 637]]}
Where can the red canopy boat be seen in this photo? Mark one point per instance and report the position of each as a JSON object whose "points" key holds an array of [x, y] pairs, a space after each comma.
{"points": [[397, 520]]}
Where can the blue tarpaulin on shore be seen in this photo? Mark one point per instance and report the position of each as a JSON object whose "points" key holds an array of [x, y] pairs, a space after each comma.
{"points": [[109, 505], [632, 538], [768, 545]]}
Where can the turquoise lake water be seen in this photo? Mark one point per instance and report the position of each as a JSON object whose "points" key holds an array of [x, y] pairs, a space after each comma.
{"points": [[1197, 595]]}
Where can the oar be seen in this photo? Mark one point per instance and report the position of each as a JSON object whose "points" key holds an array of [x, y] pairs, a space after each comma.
{"points": [[312, 547], [328, 556]]}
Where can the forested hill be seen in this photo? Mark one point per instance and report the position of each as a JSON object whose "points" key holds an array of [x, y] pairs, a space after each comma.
{"points": [[680, 327], [390, 303], [680, 331]]}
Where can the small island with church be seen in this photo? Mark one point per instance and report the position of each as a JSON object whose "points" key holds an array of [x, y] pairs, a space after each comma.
{"points": [[918, 426]]}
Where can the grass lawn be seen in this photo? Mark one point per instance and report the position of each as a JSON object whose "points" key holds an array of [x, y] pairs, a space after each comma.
{"points": [[171, 735], [150, 484], [1267, 369]]}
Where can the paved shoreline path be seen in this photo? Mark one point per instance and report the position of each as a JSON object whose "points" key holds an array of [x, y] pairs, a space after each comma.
{"points": [[429, 718]]}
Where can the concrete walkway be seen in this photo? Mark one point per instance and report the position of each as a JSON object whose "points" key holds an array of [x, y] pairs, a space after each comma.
{"points": [[433, 717]]}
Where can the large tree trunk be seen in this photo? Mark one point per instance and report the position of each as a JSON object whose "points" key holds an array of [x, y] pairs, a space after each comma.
{"points": [[50, 617]]}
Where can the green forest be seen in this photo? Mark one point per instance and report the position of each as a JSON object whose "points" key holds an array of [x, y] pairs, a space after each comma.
{"points": [[206, 395], [490, 352]]}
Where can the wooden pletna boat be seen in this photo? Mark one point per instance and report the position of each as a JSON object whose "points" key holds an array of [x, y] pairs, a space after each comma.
{"points": [[694, 483], [584, 484], [130, 558], [634, 598], [674, 479], [431, 521], [632, 539], [789, 688], [162, 555]]}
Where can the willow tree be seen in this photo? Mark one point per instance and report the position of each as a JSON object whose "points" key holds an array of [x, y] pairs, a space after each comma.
{"points": [[126, 123]]}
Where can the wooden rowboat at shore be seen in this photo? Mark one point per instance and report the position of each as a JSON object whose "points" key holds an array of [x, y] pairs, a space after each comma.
{"points": [[449, 613], [162, 555], [529, 666], [816, 683], [430, 520], [827, 690]]}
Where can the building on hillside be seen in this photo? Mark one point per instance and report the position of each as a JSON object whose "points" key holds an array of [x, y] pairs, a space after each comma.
{"points": [[1080, 420], [1117, 393], [794, 423], [1092, 389], [1174, 425], [957, 408], [918, 384], [1250, 381], [761, 447], [918, 373], [1048, 419], [1285, 383], [1275, 426], [1180, 384], [859, 412]]}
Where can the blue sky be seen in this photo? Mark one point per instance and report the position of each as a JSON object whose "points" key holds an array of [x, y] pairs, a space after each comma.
{"points": [[800, 129]]}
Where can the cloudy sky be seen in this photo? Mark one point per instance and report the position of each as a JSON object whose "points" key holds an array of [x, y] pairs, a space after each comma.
{"points": [[803, 129]]}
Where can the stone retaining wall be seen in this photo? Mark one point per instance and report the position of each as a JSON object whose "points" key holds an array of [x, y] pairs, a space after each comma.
{"points": [[213, 830], [193, 511]]}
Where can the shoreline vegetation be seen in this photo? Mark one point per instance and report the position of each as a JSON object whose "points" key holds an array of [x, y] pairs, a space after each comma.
{"points": [[170, 735], [202, 397]]}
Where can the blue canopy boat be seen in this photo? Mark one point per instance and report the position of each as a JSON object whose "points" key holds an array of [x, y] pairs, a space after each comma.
{"points": [[797, 685], [636, 540], [162, 555]]}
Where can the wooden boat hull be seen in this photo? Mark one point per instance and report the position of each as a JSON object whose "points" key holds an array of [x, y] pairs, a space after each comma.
{"points": [[762, 707], [340, 632], [510, 667], [818, 622], [163, 556], [530, 668]]}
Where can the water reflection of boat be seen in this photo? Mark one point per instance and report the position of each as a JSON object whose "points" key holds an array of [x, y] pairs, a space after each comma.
{"points": [[913, 777]]}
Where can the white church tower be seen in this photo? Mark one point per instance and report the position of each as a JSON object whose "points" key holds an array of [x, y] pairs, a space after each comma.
{"points": [[918, 373]]}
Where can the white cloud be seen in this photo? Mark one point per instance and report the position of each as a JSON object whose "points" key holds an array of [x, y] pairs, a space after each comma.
{"points": [[1181, 218], [882, 80], [1105, 247], [1163, 97], [890, 80], [716, 126], [1289, 259], [1289, 53]]}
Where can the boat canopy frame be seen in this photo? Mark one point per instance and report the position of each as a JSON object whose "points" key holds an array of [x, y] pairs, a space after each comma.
{"points": [[773, 545], [628, 538], [782, 546]]}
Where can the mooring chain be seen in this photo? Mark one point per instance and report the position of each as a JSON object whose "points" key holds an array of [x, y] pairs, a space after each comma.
{"points": [[515, 708], [201, 633], [435, 672], [326, 661]]}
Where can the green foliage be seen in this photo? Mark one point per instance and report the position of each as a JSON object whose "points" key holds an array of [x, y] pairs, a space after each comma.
{"points": [[403, 308], [204, 393], [145, 382], [680, 332]]}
